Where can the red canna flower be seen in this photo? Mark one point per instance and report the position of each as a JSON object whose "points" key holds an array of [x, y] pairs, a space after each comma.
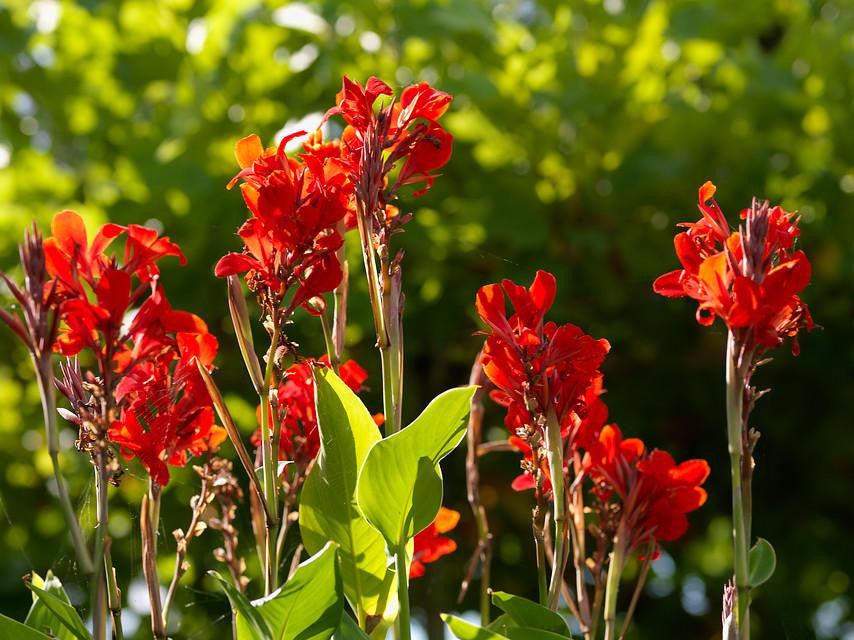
{"points": [[652, 491], [69, 256], [291, 240], [355, 103], [166, 414], [96, 291], [748, 278], [407, 129], [73, 261], [538, 367], [297, 412], [156, 407], [430, 545]]}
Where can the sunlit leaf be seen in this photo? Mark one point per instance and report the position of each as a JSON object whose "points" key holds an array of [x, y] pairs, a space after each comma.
{"points": [[526, 613], [249, 623], [328, 508], [40, 616], [400, 484], [309, 605], [468, 631], [13, 629], [63, 611]]}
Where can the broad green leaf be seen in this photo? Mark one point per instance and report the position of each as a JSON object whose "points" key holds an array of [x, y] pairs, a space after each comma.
{"points": [[64, 612], [468, 631], [15, 630], [501, 623], [40, 616], [349, 630], [526, 613], [763, 561], [328, 508], [532, 633], [400, 484], [310, 604], [249, 623]]}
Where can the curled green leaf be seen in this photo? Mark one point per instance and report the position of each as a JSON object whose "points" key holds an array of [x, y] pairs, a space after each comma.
{"points": [[763, 561]]}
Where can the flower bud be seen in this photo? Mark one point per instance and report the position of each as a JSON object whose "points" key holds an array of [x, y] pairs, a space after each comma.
{"points": [[243, 331]]}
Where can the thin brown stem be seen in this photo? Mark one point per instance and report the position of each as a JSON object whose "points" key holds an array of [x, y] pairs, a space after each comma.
{"points": [[234, 435], [554, 455], [483, 553], [295, 560], [148, 530], [538, 524], [182, 539], [644, 571], [565, 589]]}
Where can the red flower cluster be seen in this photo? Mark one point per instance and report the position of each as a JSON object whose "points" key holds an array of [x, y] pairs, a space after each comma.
{"points": [[653, 491], [145, 357], [166, 411], [78, 267], [292, 237], [748, 278], [406, 130], [297, 412], [429, 545], [541, 370]]}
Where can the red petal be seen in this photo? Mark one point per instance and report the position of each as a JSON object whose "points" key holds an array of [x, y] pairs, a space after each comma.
{"points": [[68, 228], [688, 499], [692, 472], [446, 520], [233, 263], [707, 191], [670, 284], [523, 482], [247, 149]]}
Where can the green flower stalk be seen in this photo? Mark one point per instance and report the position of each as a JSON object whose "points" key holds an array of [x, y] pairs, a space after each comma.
{"points": [[750, 279], [735, 383], [612, 586]]}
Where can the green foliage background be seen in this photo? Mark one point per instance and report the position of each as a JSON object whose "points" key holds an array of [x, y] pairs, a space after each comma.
{"points": [[582, 131]]}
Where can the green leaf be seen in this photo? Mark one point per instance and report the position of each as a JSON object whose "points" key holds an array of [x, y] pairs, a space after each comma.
{"points": [[349, 630], [40, 616], [468, 631], [328, 508], [526, 613], [763, 561], [501, 623], [249, 623], [15, 630], [64, 612], [400, 484], [532, 633], [309, 605]]}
